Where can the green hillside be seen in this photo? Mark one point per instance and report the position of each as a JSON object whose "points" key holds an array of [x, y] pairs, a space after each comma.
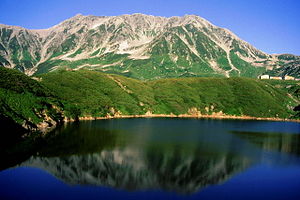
{"points": [[98, 94], [290, 87], [35, 105], [26, 102]]}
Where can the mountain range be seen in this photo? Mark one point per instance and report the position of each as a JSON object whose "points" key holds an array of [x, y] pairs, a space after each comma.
{"points": [[139, 46]]}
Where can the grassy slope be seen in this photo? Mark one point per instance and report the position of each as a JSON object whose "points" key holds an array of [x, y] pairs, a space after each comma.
{"points": [[96, 93], [23, 99], [291, 87]]}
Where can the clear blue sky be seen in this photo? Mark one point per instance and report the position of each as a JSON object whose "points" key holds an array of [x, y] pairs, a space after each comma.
{"points": [[270, 25]]}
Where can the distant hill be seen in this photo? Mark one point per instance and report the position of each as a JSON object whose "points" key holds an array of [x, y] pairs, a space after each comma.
{"points": [[139, 46], [99, 94]]}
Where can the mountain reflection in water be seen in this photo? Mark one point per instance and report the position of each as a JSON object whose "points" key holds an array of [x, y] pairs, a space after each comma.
{"points": [[173, 155]]}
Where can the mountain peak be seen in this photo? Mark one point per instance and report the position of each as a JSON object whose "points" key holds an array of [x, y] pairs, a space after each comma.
{"points": [[138, 45], [192, 16], [139, 14], [78, 15]]}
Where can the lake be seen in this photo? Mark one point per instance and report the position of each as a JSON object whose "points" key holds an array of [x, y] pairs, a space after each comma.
{"points": [[161, 158]]}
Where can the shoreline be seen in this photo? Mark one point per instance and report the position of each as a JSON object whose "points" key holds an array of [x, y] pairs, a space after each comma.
{"points": [[187, 116]]}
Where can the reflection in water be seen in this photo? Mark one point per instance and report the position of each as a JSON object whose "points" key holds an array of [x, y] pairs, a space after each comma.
{"points": [[280, 142], [129, 169], [148, 154]]}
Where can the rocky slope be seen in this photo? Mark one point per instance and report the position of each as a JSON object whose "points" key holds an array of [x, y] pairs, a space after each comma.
{"points": [[140, 46]]}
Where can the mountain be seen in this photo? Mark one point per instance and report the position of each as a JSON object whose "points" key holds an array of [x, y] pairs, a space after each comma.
{"points": [[139, 46]]}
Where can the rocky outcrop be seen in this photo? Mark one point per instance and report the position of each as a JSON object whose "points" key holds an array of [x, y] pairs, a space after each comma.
{"points": [[47, 124]]}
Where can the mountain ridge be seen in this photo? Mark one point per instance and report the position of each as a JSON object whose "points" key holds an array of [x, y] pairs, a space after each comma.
{"points": [[140, 46]]}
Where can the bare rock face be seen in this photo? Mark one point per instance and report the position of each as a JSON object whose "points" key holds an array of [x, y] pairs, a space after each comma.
{"points": [[140, 46], [46, 125]]}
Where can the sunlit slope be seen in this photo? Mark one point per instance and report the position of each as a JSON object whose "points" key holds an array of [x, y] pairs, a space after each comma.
{"points": [[99, 94]]}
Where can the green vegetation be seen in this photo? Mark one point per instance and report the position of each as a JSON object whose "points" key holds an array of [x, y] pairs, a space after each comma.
{"points": [[98, 94], [246, 69], [25, 100], [79, 51], [234, 96], [89, 93], [94, 93], [290, 87]]}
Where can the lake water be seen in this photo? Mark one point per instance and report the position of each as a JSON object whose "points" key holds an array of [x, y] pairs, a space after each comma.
{"points": [[159, 158]]}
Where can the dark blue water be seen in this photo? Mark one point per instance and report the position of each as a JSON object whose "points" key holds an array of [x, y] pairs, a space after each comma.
{"points": [[161, 159]]}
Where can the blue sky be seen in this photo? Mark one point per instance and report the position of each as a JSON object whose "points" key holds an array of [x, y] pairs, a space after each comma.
{"points": [[272, 26]]}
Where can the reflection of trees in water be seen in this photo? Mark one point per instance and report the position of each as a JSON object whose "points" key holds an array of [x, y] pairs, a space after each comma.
{"points": [[78, 139], [280, 142]]}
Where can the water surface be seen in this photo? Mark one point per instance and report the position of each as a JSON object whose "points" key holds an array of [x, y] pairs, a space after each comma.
{"points": [[162, 159]]}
